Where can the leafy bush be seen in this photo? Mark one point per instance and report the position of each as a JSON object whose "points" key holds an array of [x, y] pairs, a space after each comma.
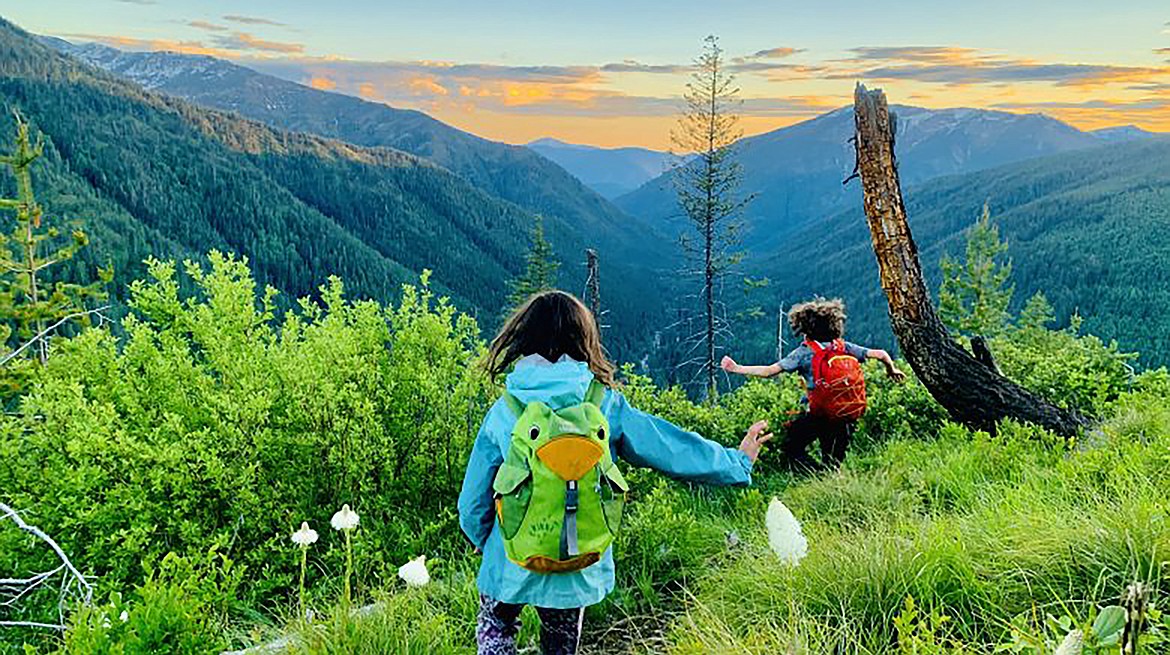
{"points": [[181, 608], [218, 424]]}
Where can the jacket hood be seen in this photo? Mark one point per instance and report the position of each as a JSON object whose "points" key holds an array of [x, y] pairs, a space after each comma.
{"points": [[557, 384]]}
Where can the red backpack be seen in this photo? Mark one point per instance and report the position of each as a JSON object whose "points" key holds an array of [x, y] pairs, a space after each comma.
{"points": [[838, 384]]}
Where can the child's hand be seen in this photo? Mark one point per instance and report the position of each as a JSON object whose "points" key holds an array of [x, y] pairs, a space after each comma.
{"points": [[897, 375], [753, 440], [728, 364]]}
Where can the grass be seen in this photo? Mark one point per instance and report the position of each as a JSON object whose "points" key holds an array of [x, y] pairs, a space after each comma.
{"points": [[992, 533]]}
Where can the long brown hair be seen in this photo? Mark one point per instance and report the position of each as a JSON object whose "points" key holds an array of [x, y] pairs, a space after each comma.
{"points": [[550, 324]]}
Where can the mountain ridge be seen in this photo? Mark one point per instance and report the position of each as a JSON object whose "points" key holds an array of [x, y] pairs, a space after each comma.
{"points": [[609, 171], [796, 171]]}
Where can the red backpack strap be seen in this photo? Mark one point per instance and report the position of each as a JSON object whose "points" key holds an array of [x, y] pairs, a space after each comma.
{"points": [[839, 345], [813, 346]]}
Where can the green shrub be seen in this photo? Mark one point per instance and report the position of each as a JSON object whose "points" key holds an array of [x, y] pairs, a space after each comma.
{"points": [[218, 424], [181, 608]]}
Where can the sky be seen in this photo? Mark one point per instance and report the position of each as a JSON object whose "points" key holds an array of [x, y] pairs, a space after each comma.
{"points": [[611, 73]]}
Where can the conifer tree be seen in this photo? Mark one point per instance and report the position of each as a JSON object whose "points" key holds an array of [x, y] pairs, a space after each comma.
{"points": [[707, 187], [30, 301], [540, 274], [974, 295]]}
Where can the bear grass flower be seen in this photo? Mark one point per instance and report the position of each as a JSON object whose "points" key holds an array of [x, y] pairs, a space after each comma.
{"points": [[346, 520], [304, 538], [1073, 644], [784, 534], [414, 572]]}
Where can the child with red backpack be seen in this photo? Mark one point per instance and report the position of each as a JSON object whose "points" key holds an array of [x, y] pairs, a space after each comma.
{"points": [[831, 370]]}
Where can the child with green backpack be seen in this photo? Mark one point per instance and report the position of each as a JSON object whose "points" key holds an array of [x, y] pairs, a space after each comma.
{"points": [[830, 368], [543, 493]]}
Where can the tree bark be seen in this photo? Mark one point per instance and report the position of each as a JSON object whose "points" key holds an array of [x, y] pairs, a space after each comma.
{"points": [[593, 285], [971, 392]]}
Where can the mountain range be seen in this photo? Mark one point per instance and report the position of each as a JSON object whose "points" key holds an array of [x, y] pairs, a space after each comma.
{"points": [[1083, 212], [612, 172], [1090, 229], [796, 172], [183, 179]]}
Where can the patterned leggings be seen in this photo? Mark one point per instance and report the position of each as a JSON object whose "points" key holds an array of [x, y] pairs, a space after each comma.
{"points": [[498, 623]]}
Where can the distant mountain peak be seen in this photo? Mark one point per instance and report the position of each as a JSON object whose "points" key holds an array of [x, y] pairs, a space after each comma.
{"points": [[1122, 133]]}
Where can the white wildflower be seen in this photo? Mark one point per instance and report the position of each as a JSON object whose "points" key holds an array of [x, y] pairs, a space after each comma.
{"points": [[305, 536], [125, 616], [344, 519], [1073, 643], [415, 572], [784, 534]]}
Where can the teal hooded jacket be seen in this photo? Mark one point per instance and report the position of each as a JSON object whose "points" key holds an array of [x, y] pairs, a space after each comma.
{"points": [[638, 439]]}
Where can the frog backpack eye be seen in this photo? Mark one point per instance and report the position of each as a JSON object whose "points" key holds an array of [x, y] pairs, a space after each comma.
{"points": [[534, 432]]}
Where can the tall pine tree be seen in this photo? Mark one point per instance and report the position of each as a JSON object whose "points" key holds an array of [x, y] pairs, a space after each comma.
{"points": [[974, 296], [540, 274], [707, 187]]}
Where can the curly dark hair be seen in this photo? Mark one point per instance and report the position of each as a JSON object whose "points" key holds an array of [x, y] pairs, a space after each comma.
{"points": [[819, 319]]}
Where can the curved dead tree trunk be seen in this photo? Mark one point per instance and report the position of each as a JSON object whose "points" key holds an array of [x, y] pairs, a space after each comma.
{"points": [[973, 393]]}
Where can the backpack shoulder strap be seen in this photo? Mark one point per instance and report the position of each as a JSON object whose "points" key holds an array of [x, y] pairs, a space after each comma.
{"points": [[596, 392], [812, 345], [514, 404]]}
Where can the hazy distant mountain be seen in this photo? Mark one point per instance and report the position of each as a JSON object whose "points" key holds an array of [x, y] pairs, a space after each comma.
{"points": [[1121, 134], [797, 171], [608, 171]]}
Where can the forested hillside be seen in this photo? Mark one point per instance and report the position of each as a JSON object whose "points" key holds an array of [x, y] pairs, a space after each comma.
{"points": [[1090, 229], [305, 207], [513, 173], [796, 172]]}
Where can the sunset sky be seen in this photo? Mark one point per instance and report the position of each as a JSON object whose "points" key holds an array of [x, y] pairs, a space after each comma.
{"points": [[610, 73]]}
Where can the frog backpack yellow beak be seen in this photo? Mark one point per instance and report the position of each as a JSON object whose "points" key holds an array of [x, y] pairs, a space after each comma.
{"points": [[570, 457]]}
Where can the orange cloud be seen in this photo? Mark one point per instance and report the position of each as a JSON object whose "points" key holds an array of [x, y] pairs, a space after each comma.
{"points": [[429, 85], [156, 45], [366, 90], [245, 41], [322, 83]]}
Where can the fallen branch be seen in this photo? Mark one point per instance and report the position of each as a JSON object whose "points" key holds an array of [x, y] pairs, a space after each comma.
{"points": [[44, 333], [21, 587]]}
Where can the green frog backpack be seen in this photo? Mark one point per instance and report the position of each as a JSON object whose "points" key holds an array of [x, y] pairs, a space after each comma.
{"points": [[559, 495]]}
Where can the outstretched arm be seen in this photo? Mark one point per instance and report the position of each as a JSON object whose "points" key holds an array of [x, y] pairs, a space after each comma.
{"points": [[730, 365], [891, 368], [656, 443]]}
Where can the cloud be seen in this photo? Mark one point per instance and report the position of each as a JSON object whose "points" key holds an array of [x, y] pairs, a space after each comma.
{"points": [[204, 25], [774, 53], [138, 2], [933, 54], [631, 66], [245, 41], [322, 83], [1150, 113], [153, 45], [962, 66], [427, 85], [251, 20]]}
